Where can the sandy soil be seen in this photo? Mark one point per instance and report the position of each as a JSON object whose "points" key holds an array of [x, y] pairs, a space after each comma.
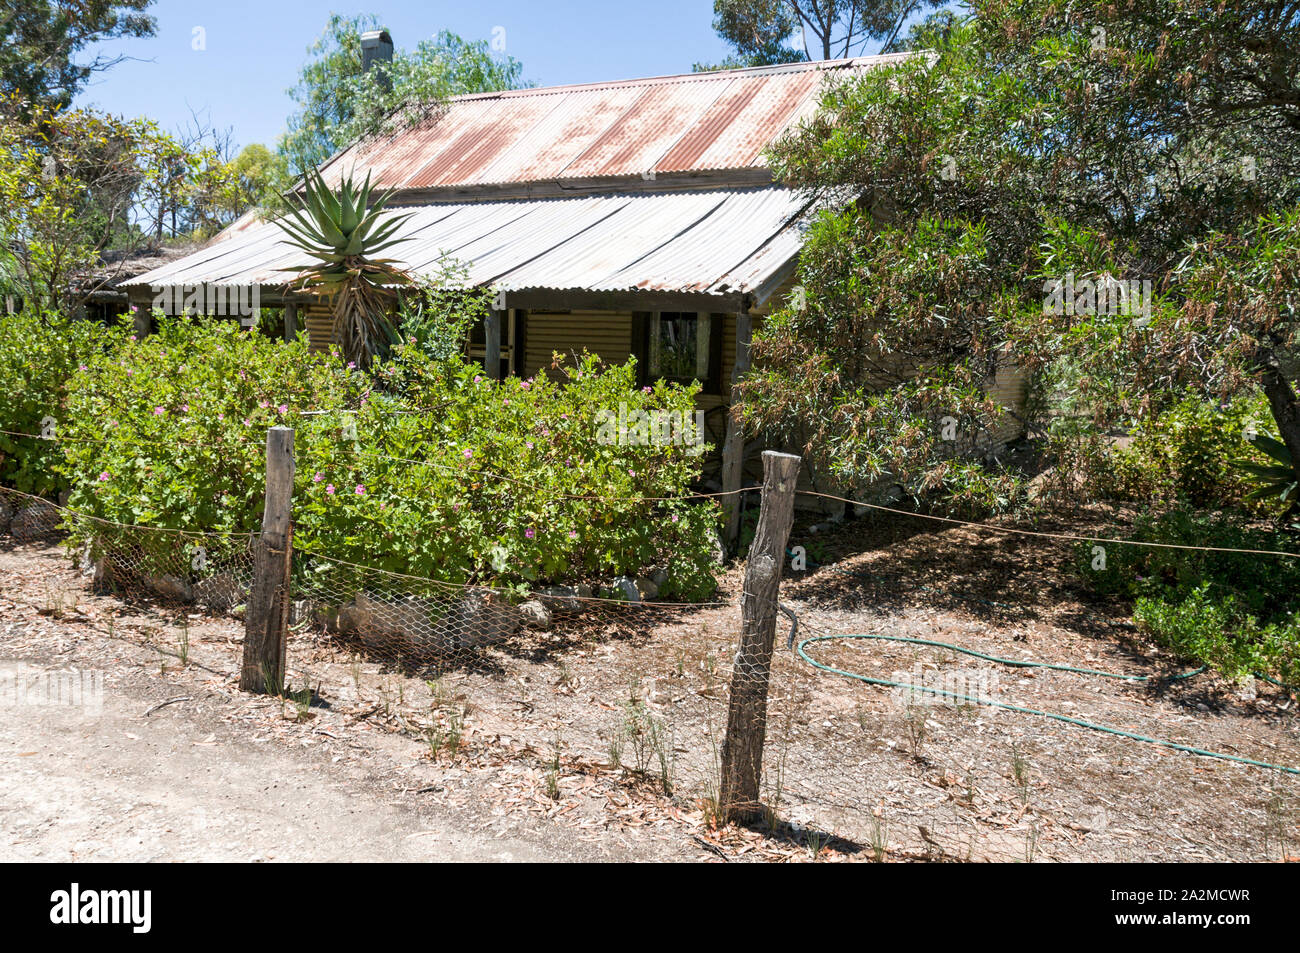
{"points": [[854, 772]]}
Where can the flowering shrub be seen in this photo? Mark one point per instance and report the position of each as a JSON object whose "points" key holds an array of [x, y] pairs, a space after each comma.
{"points": [[170, 431], [423, 467], [38, 353], [467, 478]]}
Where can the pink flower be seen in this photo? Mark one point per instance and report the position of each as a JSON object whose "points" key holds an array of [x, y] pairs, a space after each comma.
{"points": [[264, 404], [468, 454], [530, 532], [352, 365], [573, 534], [84, 367], [317, 478], [158, 411], [360, 490], [477, 378], [530, 445], [284, 408], [103, 477], [647, 390], [674, 517], [185, 407], [330, 489]]}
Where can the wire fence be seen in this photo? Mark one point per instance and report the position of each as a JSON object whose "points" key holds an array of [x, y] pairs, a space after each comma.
{"points": [[882, 740]]}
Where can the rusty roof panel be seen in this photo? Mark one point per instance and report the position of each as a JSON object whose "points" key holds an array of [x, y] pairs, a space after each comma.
{"points": [[473, 139], [734, 133], [636, 141], [693, 122], [576, 121]]}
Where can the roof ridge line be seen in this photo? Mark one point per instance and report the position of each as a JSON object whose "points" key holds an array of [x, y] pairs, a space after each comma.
{"points": [[772, 69]]}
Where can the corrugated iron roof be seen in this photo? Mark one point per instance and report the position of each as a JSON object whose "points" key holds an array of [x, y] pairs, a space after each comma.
{"points": [[717, 241], [695, 122]]}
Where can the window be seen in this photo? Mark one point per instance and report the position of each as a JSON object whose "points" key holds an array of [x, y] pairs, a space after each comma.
{"points": [[680, 346]]}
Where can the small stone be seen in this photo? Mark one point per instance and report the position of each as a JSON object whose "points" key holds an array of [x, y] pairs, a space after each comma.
{"points": [[625, 587], [535, 615], [562, 600], [170, 587]]}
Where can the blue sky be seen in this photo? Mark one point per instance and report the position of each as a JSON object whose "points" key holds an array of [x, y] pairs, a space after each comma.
{"points": [[254, 50]]}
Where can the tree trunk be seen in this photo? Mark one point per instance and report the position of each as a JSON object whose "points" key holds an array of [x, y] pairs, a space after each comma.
{"points": [[1285, 406]]}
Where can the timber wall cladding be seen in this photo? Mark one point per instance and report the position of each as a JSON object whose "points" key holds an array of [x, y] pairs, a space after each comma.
{"points": [[606, 333], [319, 322]]}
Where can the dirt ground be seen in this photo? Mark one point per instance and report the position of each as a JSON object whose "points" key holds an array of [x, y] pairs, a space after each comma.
{"points": [[853, 771]]}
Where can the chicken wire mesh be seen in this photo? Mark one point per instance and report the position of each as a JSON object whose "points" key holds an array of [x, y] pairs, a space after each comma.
{"points": [[201, 568], [657, 713]]}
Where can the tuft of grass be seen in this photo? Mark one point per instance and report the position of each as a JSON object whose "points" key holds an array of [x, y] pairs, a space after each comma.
{"points": [[1020, 773]]}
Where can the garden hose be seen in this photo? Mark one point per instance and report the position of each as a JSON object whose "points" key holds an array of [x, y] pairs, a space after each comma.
{"points": [[1077, 722]]}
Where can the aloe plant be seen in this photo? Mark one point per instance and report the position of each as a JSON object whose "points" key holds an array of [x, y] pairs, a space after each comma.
{"points": [[1277, 480], [344, 232]]}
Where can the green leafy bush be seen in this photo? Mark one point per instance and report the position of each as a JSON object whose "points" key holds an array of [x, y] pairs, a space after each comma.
{"points": [[39, 352], [1235, 611], [1186, 453], [518, 481], [424, 467], [170, 431], [1217, 630]]}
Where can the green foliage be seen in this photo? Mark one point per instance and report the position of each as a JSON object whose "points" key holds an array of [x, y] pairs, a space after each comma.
{"points": [[185, 448], [1234, 611], [74, 183], [520, 485], [1277, 480], [1186, 453], [344, 232], [873, 378], [39, 352], [339, 103], [40, 41], [759, 30], [1218, 630], [1134, 142], [436, 314], [434, 471]]}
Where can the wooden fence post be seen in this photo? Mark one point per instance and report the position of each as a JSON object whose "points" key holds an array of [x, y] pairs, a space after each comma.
{"points": [[266, 618], [742, 749]]}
